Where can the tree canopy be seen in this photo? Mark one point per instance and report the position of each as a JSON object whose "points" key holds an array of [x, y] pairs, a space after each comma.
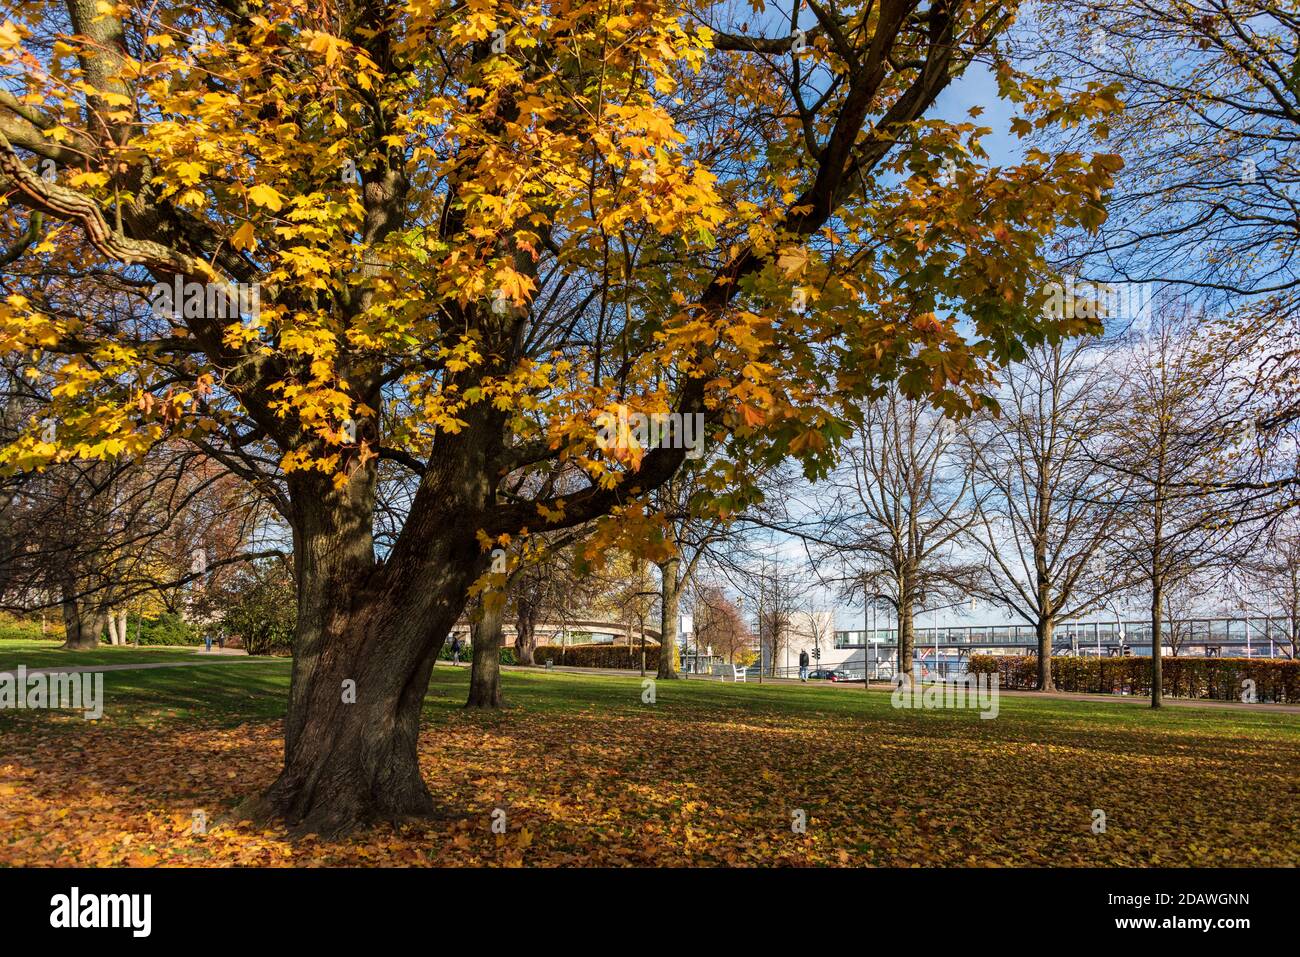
{"points": [[438, 244]]}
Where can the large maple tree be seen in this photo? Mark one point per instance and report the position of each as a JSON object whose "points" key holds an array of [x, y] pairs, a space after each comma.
{"points": [[474, 229]]}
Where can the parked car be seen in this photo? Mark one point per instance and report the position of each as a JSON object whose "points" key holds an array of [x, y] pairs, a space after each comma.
{"points": [[828, 674]]}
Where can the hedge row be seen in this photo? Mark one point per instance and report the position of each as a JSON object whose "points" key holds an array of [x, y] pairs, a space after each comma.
{"points": [[598, 656], [1276, 680]]}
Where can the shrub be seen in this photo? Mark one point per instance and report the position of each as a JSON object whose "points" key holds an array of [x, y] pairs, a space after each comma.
{"points": [[1276, 680], [263, 611], [168, 628], [508, 656], [14, 628], [599, 656]]}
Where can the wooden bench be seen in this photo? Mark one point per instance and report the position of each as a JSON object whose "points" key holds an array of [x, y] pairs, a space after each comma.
{"points": [[738, 672]]}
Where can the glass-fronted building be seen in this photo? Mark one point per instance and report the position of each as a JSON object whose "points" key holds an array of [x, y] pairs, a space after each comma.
{"points": [[1235, 637]]}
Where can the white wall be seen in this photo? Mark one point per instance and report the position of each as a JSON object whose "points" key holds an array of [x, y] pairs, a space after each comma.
{"points": [[805, 630]]}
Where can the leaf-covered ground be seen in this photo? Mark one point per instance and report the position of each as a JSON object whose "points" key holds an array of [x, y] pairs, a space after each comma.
{"points": [[710, 774]]}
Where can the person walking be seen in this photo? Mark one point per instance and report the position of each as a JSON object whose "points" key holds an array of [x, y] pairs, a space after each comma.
{"points": [[207, 641], [803, 665], [455, 651]]}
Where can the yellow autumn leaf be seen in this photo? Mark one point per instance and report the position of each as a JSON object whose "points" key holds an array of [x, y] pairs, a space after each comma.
{"points": [[793, 260], [264, 195], [243, 238], [9, 35], [89, 179], [189, 172]]}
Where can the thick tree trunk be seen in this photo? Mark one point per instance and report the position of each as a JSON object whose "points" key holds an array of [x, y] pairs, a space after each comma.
{"points": [[352, 731], [669, 604], [84, 632], [485, 672], [83, 622], [365, 646], [1044, 632], [525, 634]]}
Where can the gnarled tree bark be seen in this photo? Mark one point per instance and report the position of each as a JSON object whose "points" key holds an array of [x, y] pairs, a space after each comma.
{"points": [[84, 621], [525, 632], [485, 670], [368, 635]]}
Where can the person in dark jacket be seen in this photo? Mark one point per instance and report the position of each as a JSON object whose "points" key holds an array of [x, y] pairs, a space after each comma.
{"points": [[803, 665], [455, 651]]}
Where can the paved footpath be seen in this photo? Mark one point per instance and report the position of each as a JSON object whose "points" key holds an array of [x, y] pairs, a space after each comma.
{"points": [[884, 687]]}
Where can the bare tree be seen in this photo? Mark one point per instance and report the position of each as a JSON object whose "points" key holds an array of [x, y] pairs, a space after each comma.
{"points": [[1171, 445], [896, 508], [1205, 206], [821, 628], [1182, 598], [719, 624], [548, 588], [1044, 511], [531, 575], [1273, 578], [90, 536], [778, 602], [692, 534]]}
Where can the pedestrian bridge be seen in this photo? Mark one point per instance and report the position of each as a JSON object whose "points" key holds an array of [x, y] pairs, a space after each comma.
{"points": [[1223, 637], [584, 631]]}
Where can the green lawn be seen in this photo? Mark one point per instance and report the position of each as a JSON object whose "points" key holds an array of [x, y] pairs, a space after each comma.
{"points": [[247, 690], [710, 773], [40, 653]]}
